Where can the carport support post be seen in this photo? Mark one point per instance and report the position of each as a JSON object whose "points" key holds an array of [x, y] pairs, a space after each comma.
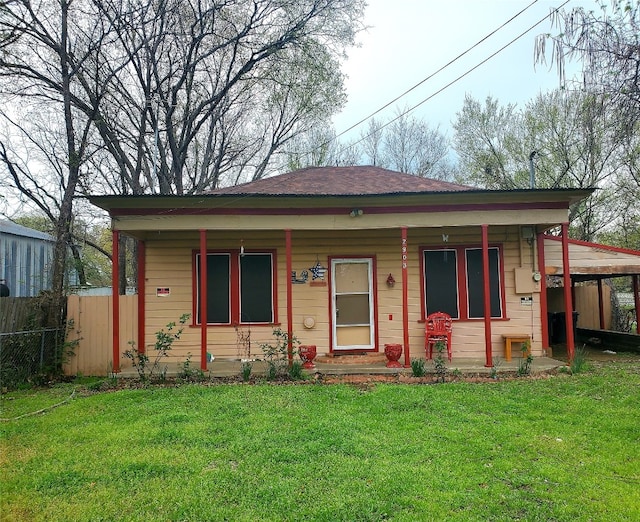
{"points": [[115, 302], [636, 301], [487, 296], [568, 302], [600, 305], [203, 300], [544, 317]]}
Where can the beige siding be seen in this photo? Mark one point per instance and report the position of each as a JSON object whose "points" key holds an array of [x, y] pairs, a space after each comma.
{"points": [[169, 264]]}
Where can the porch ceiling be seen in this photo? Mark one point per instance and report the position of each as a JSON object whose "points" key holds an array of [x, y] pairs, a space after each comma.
{"points": [[590, 261]]}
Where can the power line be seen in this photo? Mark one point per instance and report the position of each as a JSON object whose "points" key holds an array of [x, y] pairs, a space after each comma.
{"points": [[404, 113], [436, 72]]}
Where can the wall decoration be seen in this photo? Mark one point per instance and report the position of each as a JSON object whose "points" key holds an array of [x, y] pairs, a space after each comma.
{"points": [[318, 272], [304, 275]]}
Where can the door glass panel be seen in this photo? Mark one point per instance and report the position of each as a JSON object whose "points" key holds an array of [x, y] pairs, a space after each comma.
{"points": [[352, 309], [352, 277]]}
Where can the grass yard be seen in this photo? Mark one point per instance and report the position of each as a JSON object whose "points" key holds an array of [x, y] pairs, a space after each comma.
{"points": [[562, 448]]}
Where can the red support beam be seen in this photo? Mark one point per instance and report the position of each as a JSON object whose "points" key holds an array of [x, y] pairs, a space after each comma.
{"points": [[287, 238], [487, 296], [203, 300], [405, 298], [600, 305], [544, 309], [115, 291], [636, 301], [568, 301], [142, 256]]}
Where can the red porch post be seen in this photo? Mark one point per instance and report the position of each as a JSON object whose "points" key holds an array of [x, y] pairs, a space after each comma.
{"points": [[568, 302], [600, 305], [487, 296], [203, 299], [405, 299], [287, 240], [115, 292], [636, 301], [141, 295], [544, 316]]}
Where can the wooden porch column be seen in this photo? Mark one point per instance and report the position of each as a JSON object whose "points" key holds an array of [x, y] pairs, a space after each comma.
{"points": [[600, 305], [203, 299], [544, 309], [405, 299], [287, 240], [568, 301], [636, 301], [115, 302], [487, 296], [141, 295]]}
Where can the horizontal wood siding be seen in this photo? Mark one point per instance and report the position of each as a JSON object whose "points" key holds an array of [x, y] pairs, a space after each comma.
{"points": [[169, 264]]}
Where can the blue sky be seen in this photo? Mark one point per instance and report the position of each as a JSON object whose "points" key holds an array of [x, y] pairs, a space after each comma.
{"points": [[408, 40]]}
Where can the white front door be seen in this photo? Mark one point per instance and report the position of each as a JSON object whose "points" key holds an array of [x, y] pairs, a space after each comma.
{"points": [[352, 304]]}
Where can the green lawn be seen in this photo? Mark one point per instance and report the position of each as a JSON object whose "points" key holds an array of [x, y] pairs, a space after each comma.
{"points": [[563, 448]]}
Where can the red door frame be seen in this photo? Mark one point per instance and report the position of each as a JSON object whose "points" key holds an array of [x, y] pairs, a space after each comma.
{"points": [[374, 292]]}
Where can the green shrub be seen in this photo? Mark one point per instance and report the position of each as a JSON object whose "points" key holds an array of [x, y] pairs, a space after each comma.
{"points": [[418, 367]]}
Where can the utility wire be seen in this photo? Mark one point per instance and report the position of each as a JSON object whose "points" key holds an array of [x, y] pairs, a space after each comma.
{"points": [[241, 197], [404, 113], [433, 74]]}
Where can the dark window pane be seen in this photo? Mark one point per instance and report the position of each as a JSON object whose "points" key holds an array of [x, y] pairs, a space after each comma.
{"points": [[441, 282], [256, 288], [475, 283], [218, 286]]}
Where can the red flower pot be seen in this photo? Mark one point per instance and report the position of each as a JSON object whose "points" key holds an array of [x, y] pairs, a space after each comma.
{"points": [[393, 353], [307, 354]]}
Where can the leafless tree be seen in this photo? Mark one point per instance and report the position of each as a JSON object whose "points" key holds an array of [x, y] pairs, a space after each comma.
{"points": [[165, 97]]}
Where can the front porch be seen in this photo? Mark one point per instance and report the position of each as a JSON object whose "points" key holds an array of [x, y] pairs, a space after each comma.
{"points": [[369, 365]]}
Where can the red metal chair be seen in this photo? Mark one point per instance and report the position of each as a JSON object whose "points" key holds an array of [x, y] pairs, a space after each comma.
{"points": [[438, 329]]}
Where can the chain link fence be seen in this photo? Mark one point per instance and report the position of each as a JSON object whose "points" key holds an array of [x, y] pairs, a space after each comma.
{"points": [[30, 356]]}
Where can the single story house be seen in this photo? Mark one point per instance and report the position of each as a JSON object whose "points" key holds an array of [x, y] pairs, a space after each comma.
{"points": [[345, 258]]}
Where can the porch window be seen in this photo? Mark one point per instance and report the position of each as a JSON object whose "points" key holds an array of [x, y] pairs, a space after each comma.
{"points": [[453, 282], [240, 287]]}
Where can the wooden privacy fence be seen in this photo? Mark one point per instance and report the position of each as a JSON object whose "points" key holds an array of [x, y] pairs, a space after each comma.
{"points": [[20, 313], [586, 304], [91, 325]]}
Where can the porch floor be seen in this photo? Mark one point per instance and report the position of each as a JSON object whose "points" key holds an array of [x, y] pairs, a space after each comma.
{"points": [[222, 367]]}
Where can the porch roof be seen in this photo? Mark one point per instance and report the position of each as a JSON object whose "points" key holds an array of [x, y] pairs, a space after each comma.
{"points": [[590, 261], [325, 197]]}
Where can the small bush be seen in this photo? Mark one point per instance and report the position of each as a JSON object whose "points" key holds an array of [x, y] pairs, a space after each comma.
{"points": [[579, 363], [418, 367], [295, 371], [245, 371], [439, 362]]}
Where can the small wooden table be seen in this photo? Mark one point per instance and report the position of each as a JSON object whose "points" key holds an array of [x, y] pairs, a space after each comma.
{"points": [[514, 338]]}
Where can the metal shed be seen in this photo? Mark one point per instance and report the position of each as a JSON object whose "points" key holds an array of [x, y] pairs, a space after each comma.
{"points": [[26, 257]]}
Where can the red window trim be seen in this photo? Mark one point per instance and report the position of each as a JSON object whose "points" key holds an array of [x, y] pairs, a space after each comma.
{"points": [[461, 275], [234, 285]]}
